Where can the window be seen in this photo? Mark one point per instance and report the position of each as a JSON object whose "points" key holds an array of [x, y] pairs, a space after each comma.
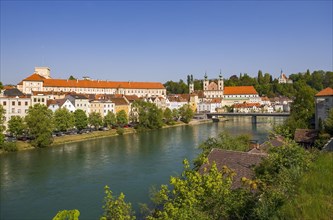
{"points": [[42, 99], [19, 103], [13, 103], [18, 110], [4, 103], [13, 110]]}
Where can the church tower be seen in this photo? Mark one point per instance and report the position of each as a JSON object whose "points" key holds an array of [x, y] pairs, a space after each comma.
{"points": [[205, 83], [191, 85], [220, 82]]}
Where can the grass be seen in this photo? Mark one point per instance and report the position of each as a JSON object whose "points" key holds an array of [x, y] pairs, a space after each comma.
{"points": [[314, 195]]}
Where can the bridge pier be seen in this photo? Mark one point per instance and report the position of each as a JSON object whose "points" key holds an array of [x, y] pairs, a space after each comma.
{"points": [[254, 119]]}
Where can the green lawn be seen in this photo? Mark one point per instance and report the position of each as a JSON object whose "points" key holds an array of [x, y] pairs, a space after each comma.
{"points": [[314, 196]]}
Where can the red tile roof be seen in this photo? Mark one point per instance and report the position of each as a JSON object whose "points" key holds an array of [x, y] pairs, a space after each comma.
{"points": [[325, 92], [93, 83], [240, 90], [34, 77]]}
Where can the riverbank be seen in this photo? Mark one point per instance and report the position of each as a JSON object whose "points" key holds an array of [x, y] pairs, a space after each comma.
{"points": [[22, 145]]}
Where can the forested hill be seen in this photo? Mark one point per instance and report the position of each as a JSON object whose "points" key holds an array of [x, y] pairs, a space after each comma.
{"points": [[264, 83]]}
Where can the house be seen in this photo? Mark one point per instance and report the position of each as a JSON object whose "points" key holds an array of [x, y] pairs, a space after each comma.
{"points": [[80, 101], [176, 102], [102, 106], [283, 79], [324, 102], [61, 103], [242, 163], [210, 106], [15, 103], [41, 80], [246, 107], [305, 137], [277, 141]]}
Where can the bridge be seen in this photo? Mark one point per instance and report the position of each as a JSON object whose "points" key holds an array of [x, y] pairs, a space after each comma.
{"points": [[254, 115]]}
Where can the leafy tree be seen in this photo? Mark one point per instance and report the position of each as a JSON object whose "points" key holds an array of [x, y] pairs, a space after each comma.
{"points": [[110, 119], [2, 126], [260, 77], [116, 208], [277, 175], [175, 114], [1, 86], [72, 78], [149, 115], [40, 125], [176, 87], [329, 123], [80, 119], [67, 215], [195, 196], [302, 109], [95, 119], [328, 80], [63, 119], [186, 113], [168, 116], [122, 118], [16, 125]]}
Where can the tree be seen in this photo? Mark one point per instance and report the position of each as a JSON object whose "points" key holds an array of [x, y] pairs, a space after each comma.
{"points": [[40, 125], [2, 126], [155, 117], [168, 116], [16, 125], [1, 86], [67, 215], [260, 77], [302, 109], [110, 119], [95, 119], [80, 119], [63, 119], [329, 123], [122, 118], [149, 115], [116, 208], [195, 196], [72, 78], [186, 113]]}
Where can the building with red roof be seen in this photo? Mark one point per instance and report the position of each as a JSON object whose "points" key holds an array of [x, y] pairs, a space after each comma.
{"points": [[41, 80], [324, 103]]}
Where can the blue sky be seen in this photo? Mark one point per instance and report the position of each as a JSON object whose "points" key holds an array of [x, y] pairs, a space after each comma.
{"points": [[164, 40]]}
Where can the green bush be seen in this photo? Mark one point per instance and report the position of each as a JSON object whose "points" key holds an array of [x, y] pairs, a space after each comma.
{"points": [[9, 147], [120, 131]]}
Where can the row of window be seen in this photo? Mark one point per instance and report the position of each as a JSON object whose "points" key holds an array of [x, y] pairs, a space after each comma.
{"points": [[19, 103]]}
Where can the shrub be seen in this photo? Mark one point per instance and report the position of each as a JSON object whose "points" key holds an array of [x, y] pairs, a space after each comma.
{"points": [[120, 131]]}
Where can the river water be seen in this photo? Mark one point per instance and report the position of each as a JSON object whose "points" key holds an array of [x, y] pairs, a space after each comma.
{"points": [[36, 184]]}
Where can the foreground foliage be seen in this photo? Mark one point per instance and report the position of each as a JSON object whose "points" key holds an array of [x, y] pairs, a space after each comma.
{"points": [[313, 198], [116, 208], [67, 215]]}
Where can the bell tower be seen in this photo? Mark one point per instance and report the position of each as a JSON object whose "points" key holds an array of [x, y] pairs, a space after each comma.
{"points": [[220, 82], [205, 83]]}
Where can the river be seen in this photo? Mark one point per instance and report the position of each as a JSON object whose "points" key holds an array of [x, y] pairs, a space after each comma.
{"points": [[36, 184]]}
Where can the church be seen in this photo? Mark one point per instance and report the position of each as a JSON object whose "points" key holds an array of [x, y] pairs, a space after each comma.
{"points": [[229, 95]]}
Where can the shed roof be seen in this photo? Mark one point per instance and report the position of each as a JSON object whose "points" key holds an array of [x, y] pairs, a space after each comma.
{"points": [[241, 163]]}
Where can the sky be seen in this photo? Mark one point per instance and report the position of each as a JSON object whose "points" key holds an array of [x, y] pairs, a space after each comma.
{"points": [[163, 40]]}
